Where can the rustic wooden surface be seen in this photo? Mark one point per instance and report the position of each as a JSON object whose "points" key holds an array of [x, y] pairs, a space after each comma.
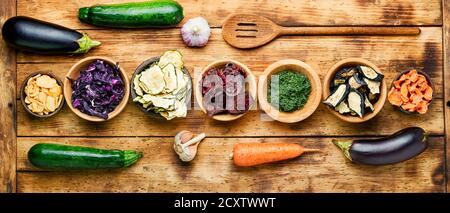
{"points": [[391, 54], [212, 171], [161, 170], [446, 37], [7, 106]]}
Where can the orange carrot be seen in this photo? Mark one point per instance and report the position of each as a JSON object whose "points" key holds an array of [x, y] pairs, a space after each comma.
{"points": [[252, 154]]}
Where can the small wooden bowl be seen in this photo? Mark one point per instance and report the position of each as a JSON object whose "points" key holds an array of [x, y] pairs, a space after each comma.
{"points": [[429, 82], [74, 73], [23, 95], [353, 62], [313, 100], [251, 79], [144, 65]]}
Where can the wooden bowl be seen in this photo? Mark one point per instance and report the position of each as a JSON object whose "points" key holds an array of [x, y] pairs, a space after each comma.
{"points": [[353, 62], [144, 65], [250, 85], [74, 73], [23, 95], [429, 82], [313, 99]]}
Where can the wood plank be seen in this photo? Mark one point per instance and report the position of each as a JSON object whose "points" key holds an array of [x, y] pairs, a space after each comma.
{"points": [[7, 106], [446, 52], [391, 54], [161, 171], [286, 12], [423, 51]]}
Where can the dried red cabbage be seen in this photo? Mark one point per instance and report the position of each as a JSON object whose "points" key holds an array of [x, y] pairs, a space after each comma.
{"points": [[98, 90]]}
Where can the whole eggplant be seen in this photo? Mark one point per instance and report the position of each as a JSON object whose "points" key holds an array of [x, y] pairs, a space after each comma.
{"points": [[401, 146], [32, 35]]}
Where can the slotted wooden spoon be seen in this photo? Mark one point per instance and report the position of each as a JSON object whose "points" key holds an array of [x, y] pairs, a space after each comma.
{"points": [[249, 31]]}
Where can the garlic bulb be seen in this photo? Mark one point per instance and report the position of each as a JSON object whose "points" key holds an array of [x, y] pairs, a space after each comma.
{"points": [[186, 145], [195, 32]]}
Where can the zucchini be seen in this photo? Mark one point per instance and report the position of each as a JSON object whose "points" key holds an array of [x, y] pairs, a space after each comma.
{"points": [[64, 157], [156, 13], [32, 35]]}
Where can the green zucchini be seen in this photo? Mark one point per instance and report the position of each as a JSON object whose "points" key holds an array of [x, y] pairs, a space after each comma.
{"points": [[156, 13], [64, 157]]}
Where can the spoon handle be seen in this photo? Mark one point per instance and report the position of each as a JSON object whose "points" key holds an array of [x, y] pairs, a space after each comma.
{"points": [[350, 31]]}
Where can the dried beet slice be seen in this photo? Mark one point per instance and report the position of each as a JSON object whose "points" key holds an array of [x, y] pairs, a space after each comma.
{"points": [[210, 80], [227, 82], [241, 103], [214, 102]]}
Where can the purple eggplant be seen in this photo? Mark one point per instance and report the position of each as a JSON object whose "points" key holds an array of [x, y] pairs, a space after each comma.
{"points": [[32, 35], [401, 146]]}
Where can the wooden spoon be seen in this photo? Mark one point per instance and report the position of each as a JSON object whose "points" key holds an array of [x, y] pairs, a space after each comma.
{"points": [[249, 31]]}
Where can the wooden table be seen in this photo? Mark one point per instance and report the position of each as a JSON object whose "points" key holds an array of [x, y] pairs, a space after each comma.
{"points": [[212, 171]]}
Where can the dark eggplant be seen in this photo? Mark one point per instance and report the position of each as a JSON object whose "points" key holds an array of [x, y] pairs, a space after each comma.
{"points": [[342, 108], [29, 34], [374, 86], [401, 146], [356, 102], [342, 76], [338, 95], [367, 104], [356, 81], [370, 73]]}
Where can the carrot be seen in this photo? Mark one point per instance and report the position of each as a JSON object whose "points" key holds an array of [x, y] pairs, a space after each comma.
{"points": [[395, 97], [411, 92], [252, 154]]}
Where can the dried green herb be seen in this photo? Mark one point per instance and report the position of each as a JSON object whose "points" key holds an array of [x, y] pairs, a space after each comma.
{"points": [[288, 90]]}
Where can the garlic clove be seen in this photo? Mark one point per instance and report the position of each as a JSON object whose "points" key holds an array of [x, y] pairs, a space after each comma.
{"points": [[185, 136]]}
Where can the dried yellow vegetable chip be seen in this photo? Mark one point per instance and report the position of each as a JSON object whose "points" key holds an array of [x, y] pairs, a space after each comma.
{"points": [[46, 81], [43, 94], [55, 91], [60, 98], [27, 101], [36, 107], [50, 104], [42, 97]]}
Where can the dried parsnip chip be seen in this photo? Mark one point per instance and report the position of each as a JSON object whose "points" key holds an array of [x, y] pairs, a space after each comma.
{"points": [[43, 94]]}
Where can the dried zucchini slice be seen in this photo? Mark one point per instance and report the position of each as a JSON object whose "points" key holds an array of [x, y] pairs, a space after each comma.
{"points": [[160, 102], [153, 80], [171, 57], [137, 88], [170, 78]]}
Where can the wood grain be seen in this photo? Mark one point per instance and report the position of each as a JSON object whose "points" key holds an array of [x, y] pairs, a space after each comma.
{"points": [[284, 12], [161, 171], [446, 53], [212, 171], [391, 54], [7, 106]]}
